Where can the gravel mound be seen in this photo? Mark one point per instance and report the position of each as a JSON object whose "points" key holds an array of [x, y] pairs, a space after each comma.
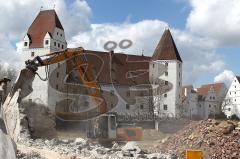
{"points": [[217, 139]]}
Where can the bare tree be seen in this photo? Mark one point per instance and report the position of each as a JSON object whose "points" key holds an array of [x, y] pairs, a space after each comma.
{"points": [[226, 102], [9, 72]]}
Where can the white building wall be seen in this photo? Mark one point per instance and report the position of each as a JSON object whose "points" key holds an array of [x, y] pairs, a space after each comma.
{"points": [[232, 99], [173, 98], [56, 42]]}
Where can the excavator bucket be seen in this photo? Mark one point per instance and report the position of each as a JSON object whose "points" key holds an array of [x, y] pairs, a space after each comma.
{"points": [[24, 83]]}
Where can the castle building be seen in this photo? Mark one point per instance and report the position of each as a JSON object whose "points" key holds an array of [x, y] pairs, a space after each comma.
{"points": [[203, 102], [45, 35], [130, 84]]}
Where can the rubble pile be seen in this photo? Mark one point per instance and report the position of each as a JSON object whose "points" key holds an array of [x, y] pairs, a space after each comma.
{"points": [[217, 139], [37, 121], [81, 148], [32, 155]]}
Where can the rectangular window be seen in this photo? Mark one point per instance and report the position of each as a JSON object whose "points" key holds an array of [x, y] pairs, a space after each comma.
{"points": [[32, 54], [58, 45], [57, 74], [166, 73], [46, 42], [55, 43], [25, 43], [127, 106], [165, 95], [112, 92], [128, 93], [141, 106], [165, 107], [62, 46], [166, 82]]}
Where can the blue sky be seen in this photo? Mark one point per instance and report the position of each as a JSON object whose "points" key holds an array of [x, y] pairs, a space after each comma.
{"points": [[109, 11], [174, 12]]}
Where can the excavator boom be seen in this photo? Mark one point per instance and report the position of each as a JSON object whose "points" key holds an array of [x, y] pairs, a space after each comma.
{"points": [[27, 75]]}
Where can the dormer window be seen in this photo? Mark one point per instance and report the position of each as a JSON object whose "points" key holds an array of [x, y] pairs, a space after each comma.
{"points": [[46, 42], [25, 43]]}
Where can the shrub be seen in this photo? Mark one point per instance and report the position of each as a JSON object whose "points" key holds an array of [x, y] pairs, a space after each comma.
{"points": [[234, 117], [217, 116]]}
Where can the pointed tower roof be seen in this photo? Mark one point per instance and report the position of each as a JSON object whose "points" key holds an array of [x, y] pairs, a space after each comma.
{"points": [[166, 48], [238, 78], [46, 21]]}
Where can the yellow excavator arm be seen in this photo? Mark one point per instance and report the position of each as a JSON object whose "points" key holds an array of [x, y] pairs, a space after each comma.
{"points": [[27, 75]]}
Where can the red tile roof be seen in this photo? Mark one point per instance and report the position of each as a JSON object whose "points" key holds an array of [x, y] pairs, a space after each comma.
{"points": [[46, 21], [166, 48], [118, 68], [204, 89]]}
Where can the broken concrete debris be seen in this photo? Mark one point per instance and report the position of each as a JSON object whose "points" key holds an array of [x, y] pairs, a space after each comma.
{"points": [[81, 148], [217, 139], [7, 147]]}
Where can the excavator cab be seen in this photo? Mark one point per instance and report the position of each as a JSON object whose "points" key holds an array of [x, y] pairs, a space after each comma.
{"points": [[103, 127]]}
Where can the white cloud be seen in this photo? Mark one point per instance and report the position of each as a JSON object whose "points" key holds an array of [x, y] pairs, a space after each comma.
{"points": [[198, 53], [218, 19], [226, 76], [144, 35], [17, 15]]}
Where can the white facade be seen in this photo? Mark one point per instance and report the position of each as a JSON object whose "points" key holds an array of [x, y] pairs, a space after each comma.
{"points": [[203, 106], [168, 73], [231, 103], [51, 43]]}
